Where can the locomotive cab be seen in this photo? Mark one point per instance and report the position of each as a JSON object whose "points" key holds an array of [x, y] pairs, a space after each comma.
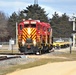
{"points": [[34, 36]]}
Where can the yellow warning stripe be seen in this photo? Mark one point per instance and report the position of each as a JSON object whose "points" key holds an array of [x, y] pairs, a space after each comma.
{"points": [[23, 38], [34, 36], [26, 35], [33, 33]]}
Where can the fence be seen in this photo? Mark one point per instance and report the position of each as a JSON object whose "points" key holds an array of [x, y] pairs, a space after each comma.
{"points": [[5, 45]]}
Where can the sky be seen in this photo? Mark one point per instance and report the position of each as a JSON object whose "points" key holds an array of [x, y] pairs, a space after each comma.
{"points": [[50, 6]]}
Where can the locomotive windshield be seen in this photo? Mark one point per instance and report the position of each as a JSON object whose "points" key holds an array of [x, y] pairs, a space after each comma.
{"points": [[30, 25]]}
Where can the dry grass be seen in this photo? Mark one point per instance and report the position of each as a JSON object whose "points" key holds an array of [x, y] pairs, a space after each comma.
{"points": [[70, 57], [29, 65], [9, 51]]}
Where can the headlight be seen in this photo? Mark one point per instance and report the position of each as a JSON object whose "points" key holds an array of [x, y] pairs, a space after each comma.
{"points": [[34, 42], [23, 42]]}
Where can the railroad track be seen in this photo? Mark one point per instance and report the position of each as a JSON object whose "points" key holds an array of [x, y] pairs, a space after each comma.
{"points": [[5, 57], [12, 54]]}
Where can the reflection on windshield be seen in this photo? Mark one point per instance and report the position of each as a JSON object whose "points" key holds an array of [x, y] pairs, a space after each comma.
{"points": [[30, 25]]}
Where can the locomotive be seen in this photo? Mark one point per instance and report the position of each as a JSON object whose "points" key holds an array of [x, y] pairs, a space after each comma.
{"points": [[34, 36]]}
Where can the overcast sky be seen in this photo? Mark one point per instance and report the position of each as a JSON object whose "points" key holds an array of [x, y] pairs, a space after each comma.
{"points": [[50, 6]]}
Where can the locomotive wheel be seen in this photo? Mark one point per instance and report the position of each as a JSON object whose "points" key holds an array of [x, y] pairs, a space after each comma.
{"points": [[48, 51], [39, 52]]}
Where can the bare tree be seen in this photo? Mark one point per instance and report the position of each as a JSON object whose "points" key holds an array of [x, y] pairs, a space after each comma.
{"points": [[3, 25]]}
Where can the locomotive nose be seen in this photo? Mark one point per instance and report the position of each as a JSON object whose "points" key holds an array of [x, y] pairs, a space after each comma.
{"points": [[28, 42]]}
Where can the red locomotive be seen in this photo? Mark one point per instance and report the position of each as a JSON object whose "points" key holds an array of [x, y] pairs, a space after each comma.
{"points": [[34, 36]]}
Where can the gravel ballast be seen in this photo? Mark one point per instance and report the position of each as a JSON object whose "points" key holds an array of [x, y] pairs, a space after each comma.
{"points": [[16, 61]]}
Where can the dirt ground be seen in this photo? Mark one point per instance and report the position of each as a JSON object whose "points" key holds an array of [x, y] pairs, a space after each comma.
{"points": [[58, 68]]}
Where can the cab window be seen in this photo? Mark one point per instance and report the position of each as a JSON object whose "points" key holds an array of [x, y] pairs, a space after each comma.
{"points": [[44, 28], [49, 29], [33, 25], [30, 25], [26, 25], [20, 27], [38, 27]]}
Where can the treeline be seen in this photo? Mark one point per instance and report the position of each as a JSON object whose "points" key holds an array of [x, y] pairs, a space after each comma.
{"points": [[60, 24]]}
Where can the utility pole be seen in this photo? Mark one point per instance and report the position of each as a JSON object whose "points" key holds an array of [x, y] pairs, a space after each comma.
{"points": [[74, 32], [16, 33], [35, 2]]}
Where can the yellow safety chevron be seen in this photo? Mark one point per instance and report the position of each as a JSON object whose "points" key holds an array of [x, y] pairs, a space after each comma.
{"points": [[25, 33]]}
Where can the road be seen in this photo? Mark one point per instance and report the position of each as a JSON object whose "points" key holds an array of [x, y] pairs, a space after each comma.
{"points": [[58, 68]]}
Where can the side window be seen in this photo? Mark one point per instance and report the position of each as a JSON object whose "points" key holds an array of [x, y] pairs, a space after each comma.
{"points": [[20, 27], [44, 28], [38, 27], [49, 29]]}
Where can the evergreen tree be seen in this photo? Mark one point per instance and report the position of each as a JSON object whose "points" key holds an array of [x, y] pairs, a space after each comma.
{"points": [[65, 26], [36, 12], [12, 25], [54, 23], [61, 25], [21, 16]]}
